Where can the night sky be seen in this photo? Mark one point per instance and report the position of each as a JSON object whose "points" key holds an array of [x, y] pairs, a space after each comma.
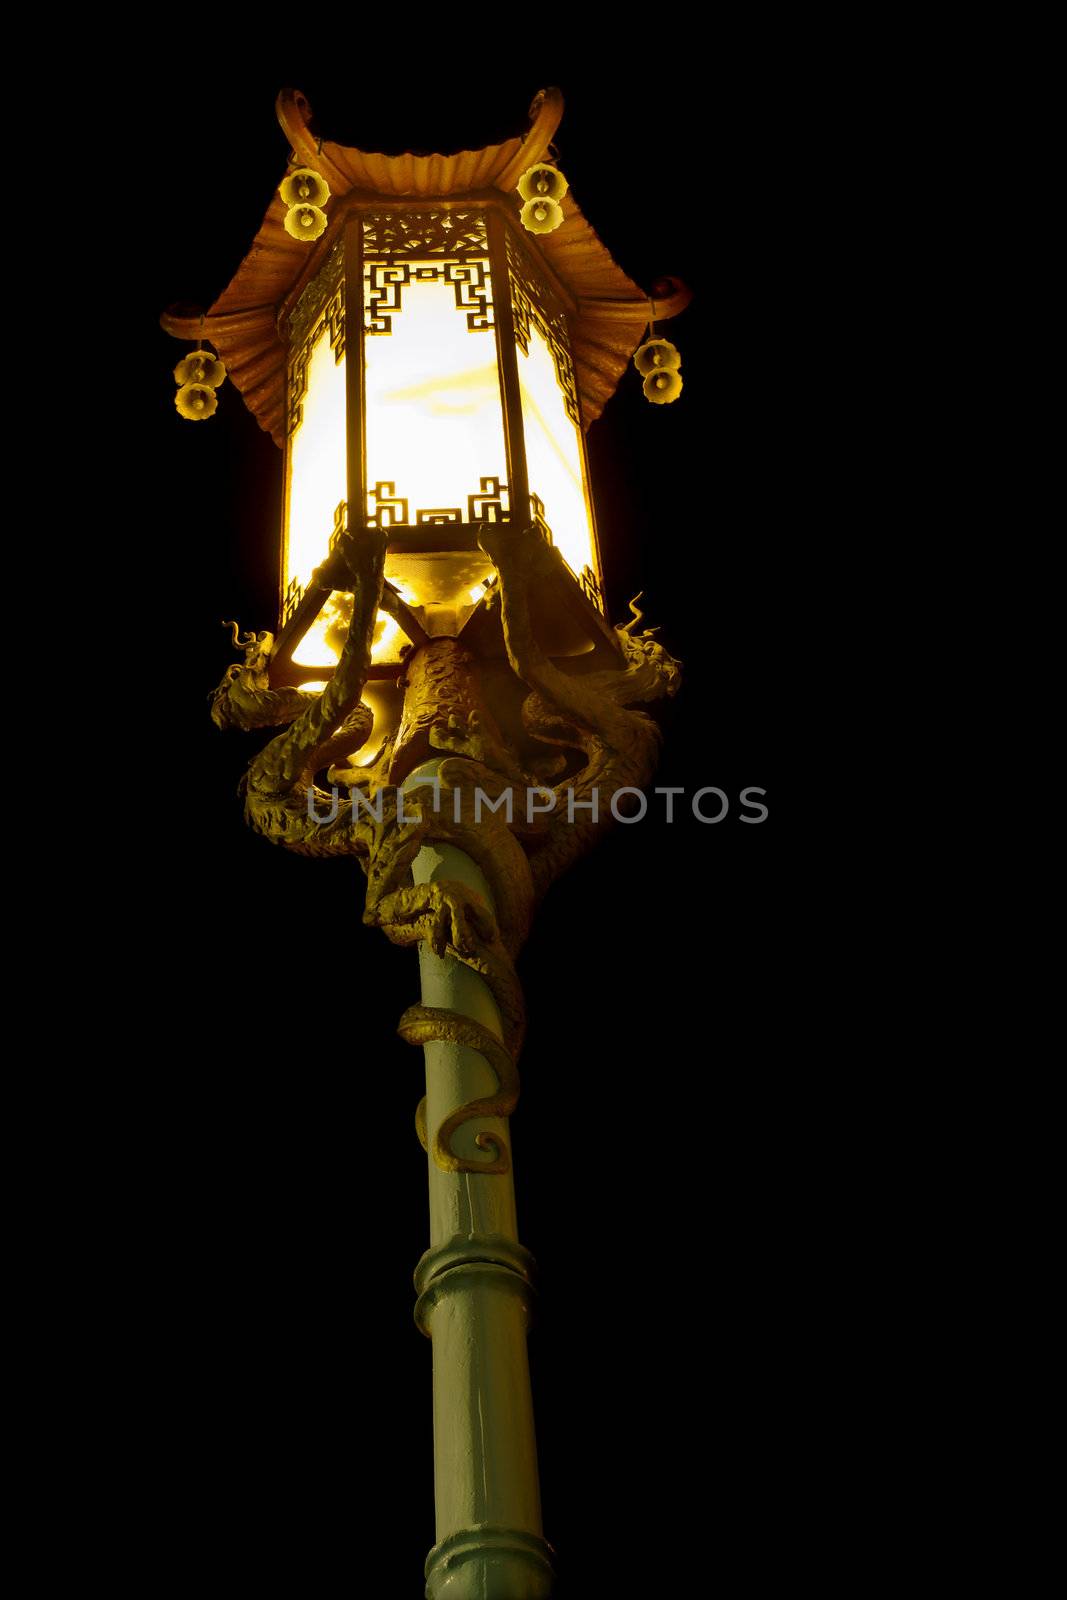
{"points": [[659, 1183]]}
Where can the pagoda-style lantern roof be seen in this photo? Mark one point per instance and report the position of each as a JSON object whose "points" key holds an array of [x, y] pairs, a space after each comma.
{"points": [[608, 313]]}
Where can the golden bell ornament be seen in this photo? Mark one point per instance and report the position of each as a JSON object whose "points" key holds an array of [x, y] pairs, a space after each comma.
{"points": [[657, 355], [195, 401], [304, 187], [663, 385], [542, 182], [200, 366], [305, 222], [541, 216]]}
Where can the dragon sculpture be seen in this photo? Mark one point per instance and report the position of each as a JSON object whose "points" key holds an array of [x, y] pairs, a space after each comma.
{"points": [[572, 718]]}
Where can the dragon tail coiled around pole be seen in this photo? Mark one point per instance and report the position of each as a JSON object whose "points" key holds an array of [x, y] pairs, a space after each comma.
{"points": [[422, 1025], [453, 920]]}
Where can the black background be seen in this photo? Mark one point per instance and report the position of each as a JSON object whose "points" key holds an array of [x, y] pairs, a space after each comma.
{"points": [[668, 1136]]}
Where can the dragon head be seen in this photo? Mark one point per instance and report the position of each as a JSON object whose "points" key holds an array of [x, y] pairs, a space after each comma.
{"points": [[655, 671], [249, 675]]}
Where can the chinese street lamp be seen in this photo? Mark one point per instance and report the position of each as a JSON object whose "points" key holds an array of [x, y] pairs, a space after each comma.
{"points": [[426, 337]]}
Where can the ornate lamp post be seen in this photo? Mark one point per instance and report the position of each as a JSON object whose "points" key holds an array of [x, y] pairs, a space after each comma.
{"points": [[458, 712]]}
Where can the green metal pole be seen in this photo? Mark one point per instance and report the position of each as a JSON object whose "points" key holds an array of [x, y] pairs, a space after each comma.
{"points": [[474, 1292]]}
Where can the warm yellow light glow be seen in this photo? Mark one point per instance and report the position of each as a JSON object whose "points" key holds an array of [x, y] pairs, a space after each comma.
{"points": [[317, 470], [478, 593], [387, 639], [321, 645], [323, 642], [434, 427], [385, 703], [554, 455]]}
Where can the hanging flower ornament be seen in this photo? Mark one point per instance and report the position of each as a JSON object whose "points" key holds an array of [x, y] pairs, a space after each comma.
{"points": [[659, 362], [304, 187], [198, 375], [662, 387], [200, 366], [655, 355], [305, 192], [305, 222], [195, 401], [542, 187]]}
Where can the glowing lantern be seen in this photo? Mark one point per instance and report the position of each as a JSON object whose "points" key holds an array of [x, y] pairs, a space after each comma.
{"points": [[448, 400], [435, 370], [439, 369]]}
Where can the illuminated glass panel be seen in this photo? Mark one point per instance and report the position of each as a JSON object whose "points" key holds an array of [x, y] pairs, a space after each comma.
{"points": [[317, 469], [321, 645], [554, 452], [434, 427], [323, 642]]}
